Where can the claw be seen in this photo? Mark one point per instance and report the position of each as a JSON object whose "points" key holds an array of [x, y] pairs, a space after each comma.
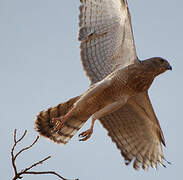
{"points": [[58, 123], [85, 135]]}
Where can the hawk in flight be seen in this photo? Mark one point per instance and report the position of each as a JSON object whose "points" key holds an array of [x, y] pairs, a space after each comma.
{"points": [[118, 94]]}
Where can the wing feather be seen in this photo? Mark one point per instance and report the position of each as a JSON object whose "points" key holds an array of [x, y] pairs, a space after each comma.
{"points": [[136, 131], [106, 37]]}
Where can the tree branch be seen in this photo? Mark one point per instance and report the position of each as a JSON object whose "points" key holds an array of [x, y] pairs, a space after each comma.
{"points": [[47, 172], [18, 175], [26, 148], [35, 164]]}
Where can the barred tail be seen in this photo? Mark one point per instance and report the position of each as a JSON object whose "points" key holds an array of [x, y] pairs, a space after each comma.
{"points": [[45, 126]]}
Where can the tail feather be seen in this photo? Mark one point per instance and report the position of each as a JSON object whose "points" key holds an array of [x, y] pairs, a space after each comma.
{"points": [[45, 126]]}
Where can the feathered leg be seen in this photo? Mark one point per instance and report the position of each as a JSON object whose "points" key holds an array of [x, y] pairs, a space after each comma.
{"points": [[94, 90], [101, 113]]}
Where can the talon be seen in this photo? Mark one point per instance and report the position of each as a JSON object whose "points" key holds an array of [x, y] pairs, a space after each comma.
{"points": [[85, 135], [56, 120], [58, 123]]}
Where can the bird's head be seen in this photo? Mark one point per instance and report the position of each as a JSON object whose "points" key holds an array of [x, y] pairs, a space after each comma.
{"points": [[159, 65]]}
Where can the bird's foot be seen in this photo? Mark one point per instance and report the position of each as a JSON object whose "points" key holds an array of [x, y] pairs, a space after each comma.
{"points": [[85, 135], [58, 123]]}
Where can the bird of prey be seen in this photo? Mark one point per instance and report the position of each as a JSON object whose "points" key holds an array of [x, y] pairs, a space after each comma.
{"points": [[118, 94]]}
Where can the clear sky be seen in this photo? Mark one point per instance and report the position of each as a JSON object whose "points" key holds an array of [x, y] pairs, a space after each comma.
{"points": [[40, 67]]}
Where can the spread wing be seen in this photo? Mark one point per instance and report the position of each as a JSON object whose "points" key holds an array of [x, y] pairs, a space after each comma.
{"points": [[107, 43], [137, 133], [106, 37]]}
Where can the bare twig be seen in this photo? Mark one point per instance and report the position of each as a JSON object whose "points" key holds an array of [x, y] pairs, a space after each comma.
{"points": [[18, 175], [47, 172], [35, 164], [26, 148], [15, 134]]}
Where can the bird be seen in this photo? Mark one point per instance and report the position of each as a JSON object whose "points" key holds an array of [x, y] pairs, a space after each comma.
{"points": [[118, 94]]}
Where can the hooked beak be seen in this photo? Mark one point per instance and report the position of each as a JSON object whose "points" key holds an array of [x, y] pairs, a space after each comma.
{"points": [[165, 67], [169, 67]]}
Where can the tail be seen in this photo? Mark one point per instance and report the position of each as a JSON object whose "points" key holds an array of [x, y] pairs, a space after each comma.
{"points": [[45, 126]]}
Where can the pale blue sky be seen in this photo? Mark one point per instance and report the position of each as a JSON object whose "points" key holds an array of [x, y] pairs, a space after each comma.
{"points": [[40, 67]]}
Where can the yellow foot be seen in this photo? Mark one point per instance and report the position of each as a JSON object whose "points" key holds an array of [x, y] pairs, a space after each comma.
{"points": [[85, 135]]}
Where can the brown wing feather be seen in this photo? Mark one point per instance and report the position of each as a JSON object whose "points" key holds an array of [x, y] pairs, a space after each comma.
{"points": [[106, 37], [136, 131]]}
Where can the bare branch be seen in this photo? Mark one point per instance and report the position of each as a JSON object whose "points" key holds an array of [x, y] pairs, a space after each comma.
{"points": [[17, 141], [13, 148], [35, 164], [18, 175], [47, 172], [26, 148], [13, 160]]}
